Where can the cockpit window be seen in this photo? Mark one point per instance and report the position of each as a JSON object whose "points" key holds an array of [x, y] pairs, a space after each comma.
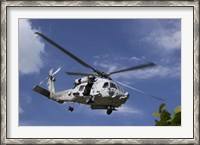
{"points": [[118, 88], [81, 87], [122, 90], [113, 85], [105, 85]]}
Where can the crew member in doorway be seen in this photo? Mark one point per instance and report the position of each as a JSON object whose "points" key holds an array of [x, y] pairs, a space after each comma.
{"points": [[88, 87]]}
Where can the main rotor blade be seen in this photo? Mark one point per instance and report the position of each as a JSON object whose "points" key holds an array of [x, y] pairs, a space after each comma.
{"points": [[157, 98], [150, 64], [81, 74], [67, 52]]}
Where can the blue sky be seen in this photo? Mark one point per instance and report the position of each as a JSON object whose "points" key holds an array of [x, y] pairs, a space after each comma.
{"points": [[107, 44]]}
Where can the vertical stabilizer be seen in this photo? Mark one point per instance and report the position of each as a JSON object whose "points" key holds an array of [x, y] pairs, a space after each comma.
{"points": [[51, 81], [51, 87]]}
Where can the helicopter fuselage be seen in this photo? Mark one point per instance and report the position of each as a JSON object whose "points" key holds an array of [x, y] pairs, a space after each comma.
{"points": [[103, 93]]}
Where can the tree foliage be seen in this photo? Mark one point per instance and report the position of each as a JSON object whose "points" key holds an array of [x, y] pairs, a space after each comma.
{"points": [[165, 117]]}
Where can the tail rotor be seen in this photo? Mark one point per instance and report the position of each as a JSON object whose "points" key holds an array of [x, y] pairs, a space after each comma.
{"points": [[51, 75]]}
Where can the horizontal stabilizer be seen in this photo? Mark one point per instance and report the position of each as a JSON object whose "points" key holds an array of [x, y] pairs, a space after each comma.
{"points": [[45, 93], [41, 91]]}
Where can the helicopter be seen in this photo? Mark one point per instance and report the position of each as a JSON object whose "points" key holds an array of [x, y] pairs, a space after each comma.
{"points": [[96, 89]]}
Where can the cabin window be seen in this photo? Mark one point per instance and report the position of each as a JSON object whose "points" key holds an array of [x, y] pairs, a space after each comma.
{"points": [[113, 85], [105, 85], [81, 87]]}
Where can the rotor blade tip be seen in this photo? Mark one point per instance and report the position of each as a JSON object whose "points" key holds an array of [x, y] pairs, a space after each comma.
{"points": [[152, 63], [38, 33]]}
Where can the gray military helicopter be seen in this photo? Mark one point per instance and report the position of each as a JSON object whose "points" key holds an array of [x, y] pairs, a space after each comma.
{"points": [[96, 89]]}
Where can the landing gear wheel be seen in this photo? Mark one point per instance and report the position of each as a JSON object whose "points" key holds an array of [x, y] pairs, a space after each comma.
{"points": [[88, 100], [70, 108], [109, 111]]}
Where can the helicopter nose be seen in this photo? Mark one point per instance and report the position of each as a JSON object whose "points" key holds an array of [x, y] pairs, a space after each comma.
{"points": [[127, 95]]}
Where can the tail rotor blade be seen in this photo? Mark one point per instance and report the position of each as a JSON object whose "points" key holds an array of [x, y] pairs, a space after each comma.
{"points": [[51, 71], [43, 81], [56, 71], [138, 90]]}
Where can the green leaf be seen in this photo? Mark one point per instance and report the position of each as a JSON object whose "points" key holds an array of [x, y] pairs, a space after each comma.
{"points": [[161, 107], [156, 114], [166, 119], [177, 109], [176, 119]]}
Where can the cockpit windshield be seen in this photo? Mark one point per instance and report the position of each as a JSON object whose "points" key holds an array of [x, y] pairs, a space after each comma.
{"points": [[120, 89], [113, 85]]}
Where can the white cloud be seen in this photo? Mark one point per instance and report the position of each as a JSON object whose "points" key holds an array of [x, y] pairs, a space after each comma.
{"points": [[25, 100], [167, 39], [21, 111], [133, 58], [105, 66], [101, 56], [127, 110], [137, 59], [30, 49]]}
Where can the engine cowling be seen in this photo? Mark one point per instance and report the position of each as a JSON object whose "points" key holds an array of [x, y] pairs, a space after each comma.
{"points": [[81, 80]]}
